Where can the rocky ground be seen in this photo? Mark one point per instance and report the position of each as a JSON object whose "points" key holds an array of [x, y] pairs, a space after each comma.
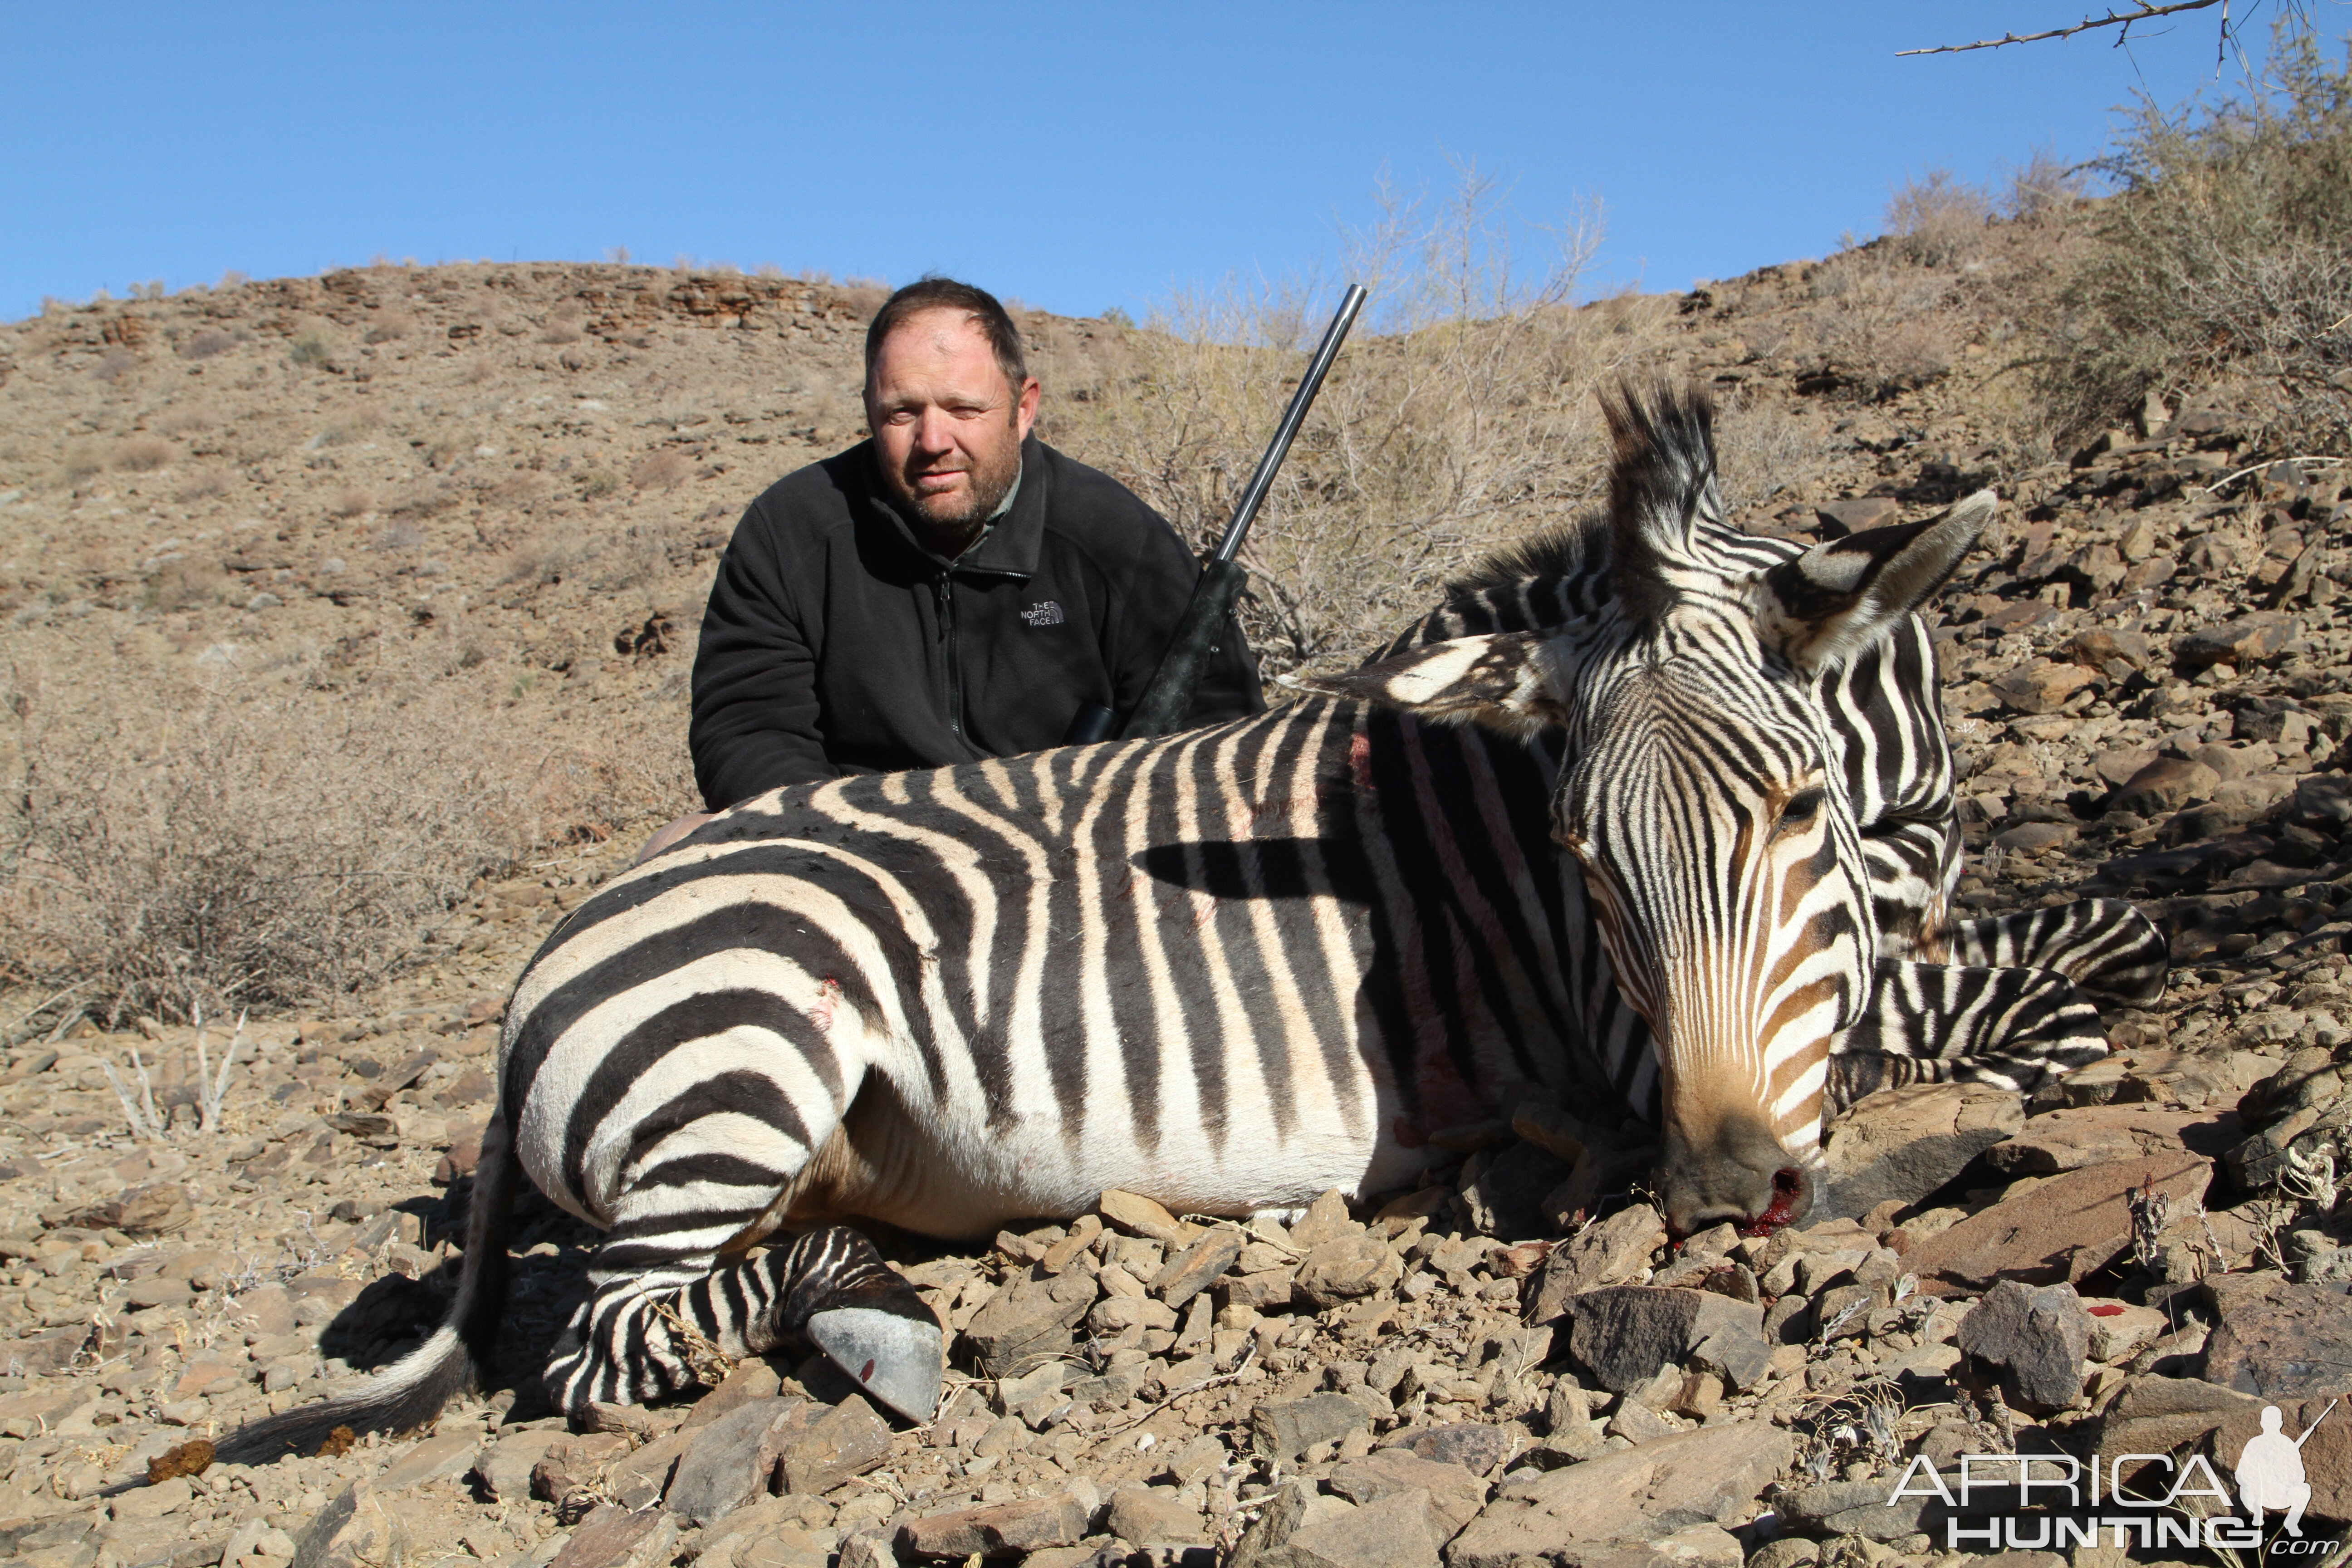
{"points": [[2147, 679]]}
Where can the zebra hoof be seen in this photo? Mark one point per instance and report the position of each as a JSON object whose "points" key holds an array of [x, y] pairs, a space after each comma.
{"points": [[896, 1359]]}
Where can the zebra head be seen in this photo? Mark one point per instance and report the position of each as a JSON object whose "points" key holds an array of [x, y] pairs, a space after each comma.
{"points": [[1701, 792]]}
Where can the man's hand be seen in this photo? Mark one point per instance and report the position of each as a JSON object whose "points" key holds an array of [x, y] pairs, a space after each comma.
{"points": [[671, 835]]}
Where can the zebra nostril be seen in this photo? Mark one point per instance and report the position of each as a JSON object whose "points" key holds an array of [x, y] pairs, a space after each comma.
{"points": [[1788, 1194]]}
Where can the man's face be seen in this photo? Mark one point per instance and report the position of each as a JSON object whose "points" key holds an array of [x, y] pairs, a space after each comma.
{"points": [[948, 425]]}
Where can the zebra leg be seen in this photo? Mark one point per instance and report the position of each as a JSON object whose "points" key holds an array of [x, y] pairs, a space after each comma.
{"points": [[2110, 950], [646, 1321], [1930, 1023]]}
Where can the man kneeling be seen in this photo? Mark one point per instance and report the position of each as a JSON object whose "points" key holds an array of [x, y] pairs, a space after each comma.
{"points": [[950, 590]]}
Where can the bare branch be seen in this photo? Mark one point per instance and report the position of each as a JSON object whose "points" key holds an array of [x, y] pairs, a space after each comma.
{"points": [[2114, 18]]}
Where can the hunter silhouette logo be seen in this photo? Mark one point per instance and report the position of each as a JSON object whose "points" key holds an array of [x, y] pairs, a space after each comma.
{"points": [[2270, 1470], [2269, 1473]]}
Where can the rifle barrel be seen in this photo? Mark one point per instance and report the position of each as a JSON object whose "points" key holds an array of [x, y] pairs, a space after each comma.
{"points": [[1254, 493], [1166, 701]]}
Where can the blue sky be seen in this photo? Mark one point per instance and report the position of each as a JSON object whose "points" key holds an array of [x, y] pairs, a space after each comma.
{"points": [[1079, 157]]}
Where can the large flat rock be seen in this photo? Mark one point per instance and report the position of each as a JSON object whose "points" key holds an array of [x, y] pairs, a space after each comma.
{"points": [[2082, 1136], [1903, 1143], [2278, 1339], [1707, 1476], [2065, 1229]]}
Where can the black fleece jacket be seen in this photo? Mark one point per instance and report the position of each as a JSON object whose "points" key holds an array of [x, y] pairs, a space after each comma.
{"points": [[835, 643]]}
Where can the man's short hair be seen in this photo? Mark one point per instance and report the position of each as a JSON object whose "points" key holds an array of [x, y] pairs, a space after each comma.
{"points": [[946, 294]]}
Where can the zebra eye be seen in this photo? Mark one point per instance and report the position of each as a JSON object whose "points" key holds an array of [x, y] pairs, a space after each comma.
{"points": [[1803, 807]]}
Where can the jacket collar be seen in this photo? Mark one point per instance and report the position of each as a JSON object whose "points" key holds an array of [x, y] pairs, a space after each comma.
{"points": [[1010, 548]]}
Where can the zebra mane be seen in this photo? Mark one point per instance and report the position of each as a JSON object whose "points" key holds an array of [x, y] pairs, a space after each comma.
{"points": [[1662, 466], [1562, 550], [1662, 487]]}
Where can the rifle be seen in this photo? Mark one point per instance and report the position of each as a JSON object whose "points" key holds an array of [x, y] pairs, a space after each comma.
{"points": [[1169, 697]]}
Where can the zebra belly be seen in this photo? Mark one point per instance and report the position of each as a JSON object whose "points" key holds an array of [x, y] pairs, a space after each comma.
{"points": [[910, 1172]]}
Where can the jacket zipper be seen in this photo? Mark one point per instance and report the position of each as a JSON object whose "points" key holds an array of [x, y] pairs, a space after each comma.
{"points": [[955, 671]]}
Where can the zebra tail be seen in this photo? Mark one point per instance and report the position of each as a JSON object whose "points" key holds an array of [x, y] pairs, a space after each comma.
{"points": [[413, 1390]]}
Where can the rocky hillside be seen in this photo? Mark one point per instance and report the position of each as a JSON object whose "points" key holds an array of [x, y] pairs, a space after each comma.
{"points": [[507, 484]]}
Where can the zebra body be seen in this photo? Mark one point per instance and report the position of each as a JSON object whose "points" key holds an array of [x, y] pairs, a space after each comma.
{"points": [[1691, 856], [1200, 967]]}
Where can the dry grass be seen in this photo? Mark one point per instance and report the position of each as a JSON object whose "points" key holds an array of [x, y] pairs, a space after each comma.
{"points": [[1460, 416], [1880, 326], [1768, 454], [1937, 219], [2042, 187], [186, 586], [142, 455], [204, 485], [242, 844], [2228, 252], [284, 838], [662, 470], [352, 501], [208, 344], [543, 559], [640, 555]]}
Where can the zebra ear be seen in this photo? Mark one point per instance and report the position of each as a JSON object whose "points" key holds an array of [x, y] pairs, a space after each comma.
{"points": [[1503, 681], [1841, 597]]}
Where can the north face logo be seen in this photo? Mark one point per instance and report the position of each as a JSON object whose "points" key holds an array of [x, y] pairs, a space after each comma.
{"points": [[1048, 614]]}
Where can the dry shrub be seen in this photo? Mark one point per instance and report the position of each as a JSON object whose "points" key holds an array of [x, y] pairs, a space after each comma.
{"points": [[2229, 249], [864, 296], [204, 485], [240, 845], [400, 533], [661, 470], [352, 503], [186, 586], [114, 364], [1879, 326], [1937, 219], [388, 325], [185, 420], [1768, 453], [563, 325], [641, 555], [207, 344], [142, 455], [544, 559], [2042, 186], [1461, 415], [518, 489], [81, 461], [640, 774]]}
